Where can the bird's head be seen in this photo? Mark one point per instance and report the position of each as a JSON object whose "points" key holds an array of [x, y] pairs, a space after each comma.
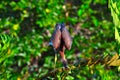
{"points": [[58, 26], [62, 26]]}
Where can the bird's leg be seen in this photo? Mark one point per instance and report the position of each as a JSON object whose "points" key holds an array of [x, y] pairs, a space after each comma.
{"points": [[55, 58], [64, 60]]}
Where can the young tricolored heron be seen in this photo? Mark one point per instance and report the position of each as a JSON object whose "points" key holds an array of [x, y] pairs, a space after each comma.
{"points": [[60, 41]]}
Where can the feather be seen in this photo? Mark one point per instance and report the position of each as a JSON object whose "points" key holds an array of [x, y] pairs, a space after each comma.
{"points": [[56, 37], [66, 37]]}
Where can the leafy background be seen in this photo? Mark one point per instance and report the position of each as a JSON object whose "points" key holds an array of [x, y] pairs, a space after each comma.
{"points": [[26, 27]]}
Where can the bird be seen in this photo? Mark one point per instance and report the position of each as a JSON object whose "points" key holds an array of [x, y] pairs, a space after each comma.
{"points": [[60, 41]]}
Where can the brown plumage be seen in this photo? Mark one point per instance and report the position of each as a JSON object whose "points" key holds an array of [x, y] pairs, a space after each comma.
{"points": [[60, 41], [56, 37], [66, 37]]}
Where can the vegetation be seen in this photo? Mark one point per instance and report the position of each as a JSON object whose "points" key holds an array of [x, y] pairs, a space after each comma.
{"points": [[26, 27]]}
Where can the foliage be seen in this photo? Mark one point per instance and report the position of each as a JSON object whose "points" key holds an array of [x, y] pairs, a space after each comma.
{"points": [[5, 52], [115, 12], [26, 27]]}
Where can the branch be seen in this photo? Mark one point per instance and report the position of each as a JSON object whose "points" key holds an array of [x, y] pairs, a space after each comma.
{"points": [[106, 61], [57, 70]]}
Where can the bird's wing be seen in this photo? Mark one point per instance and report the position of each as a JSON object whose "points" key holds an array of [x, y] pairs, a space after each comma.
{"points": [[56, 37], [66, 38]]}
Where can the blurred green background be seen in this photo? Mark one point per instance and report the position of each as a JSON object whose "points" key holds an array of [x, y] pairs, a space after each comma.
{"points": [[26, 27]]}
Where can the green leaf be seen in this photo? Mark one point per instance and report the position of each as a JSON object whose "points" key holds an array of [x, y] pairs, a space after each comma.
{"points": [[80, 12], [115, 12], [117, 37]]}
